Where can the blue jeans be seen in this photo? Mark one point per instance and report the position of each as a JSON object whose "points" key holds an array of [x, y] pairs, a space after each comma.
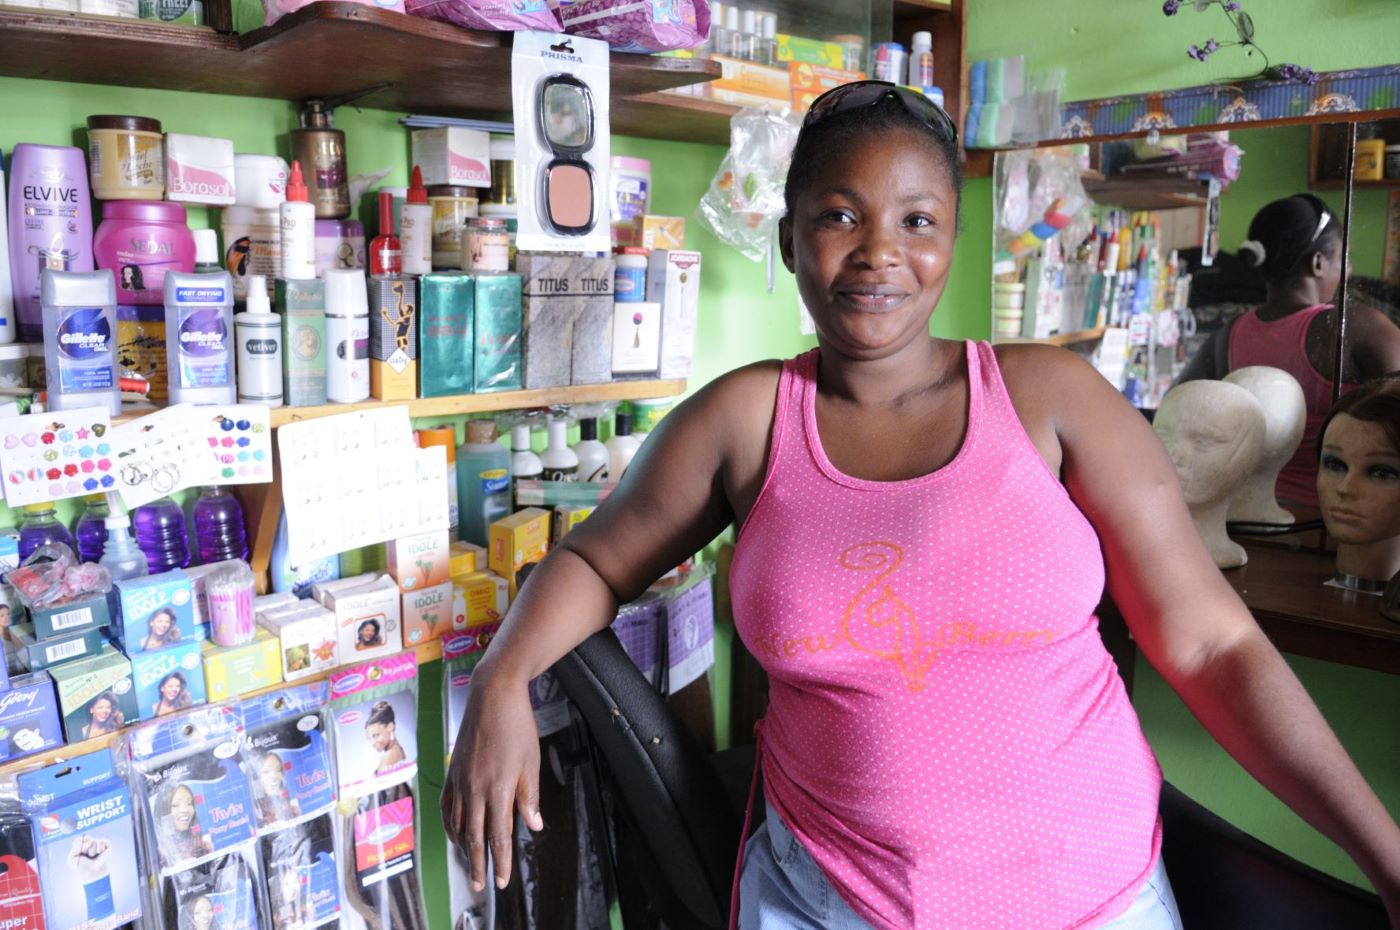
{"points": [[782, 888]]}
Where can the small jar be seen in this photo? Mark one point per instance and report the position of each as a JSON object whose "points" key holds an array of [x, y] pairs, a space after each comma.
{"points": [[487, 245], [139, 241], [452, 207], [126, 157], [630, 275]]}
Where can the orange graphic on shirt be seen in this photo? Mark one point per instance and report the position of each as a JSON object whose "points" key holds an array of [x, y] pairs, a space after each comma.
{"points": [[877, 621]]}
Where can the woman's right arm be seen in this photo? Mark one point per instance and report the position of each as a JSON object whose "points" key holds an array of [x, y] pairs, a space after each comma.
{"points": [[675, 498]]}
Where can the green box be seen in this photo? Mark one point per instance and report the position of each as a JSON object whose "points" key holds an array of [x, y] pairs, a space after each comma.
{"points": [[811, 51], [497, 359], [62, 619], [107, 675], [302, 304], [34, 653], [446, 317]]}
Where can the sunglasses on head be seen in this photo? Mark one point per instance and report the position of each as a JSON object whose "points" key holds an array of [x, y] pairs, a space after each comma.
{"points": [[860, 94]]}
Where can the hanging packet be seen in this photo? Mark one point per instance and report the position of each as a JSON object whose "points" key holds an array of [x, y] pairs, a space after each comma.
{"points": [[559, 93], [85, 840], [218, 894], [21, 904], [374, 713], [288, 763], [497, 15], [639, 25]]}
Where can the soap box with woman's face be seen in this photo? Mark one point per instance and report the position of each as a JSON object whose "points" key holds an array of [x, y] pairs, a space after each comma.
{"points": [[156, 612]]}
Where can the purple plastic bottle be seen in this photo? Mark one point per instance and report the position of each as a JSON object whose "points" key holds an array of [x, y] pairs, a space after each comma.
{"points": [[91, 528], [219, 531], [50, 223], [39, 526], [160, 533]]}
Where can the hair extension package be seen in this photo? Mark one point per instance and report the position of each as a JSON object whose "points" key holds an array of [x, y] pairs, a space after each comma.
{"points": [[196, 821], [374, 712], [288, 763], [560, 99], [85, 843]]}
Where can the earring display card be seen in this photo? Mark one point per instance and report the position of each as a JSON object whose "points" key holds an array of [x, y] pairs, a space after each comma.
{"points": [[57, 455], [152, 455], [239, 442], [357, 479]]}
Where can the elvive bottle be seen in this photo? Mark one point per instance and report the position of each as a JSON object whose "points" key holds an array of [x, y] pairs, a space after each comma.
{"points": [[7, 294], [320, 148], [199, 346], [50, 224], [79, 310]]}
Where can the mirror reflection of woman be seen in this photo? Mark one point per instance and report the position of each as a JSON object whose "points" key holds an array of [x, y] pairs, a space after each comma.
{"points": [[1296, 244], [1358, 484]]}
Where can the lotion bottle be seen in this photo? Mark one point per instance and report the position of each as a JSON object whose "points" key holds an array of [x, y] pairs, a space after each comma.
{"points": [[559, 461], [592, 454], [7, 296], [416, 227], [320, 148], [523, 462], [298, 230], [622, 447], [347, 336], [259, 336]]}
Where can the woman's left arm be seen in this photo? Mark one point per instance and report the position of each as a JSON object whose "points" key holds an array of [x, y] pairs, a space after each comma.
{"points": [[1194, 629]]}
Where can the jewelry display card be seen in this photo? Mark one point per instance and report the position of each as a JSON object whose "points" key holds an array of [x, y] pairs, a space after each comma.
{"points": [[57, 455]]}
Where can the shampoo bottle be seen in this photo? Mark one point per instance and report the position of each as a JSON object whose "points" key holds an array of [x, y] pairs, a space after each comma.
{"points": [[621, 447], [320, 148], [298, 219], [483, 481], [523, 462], [559, 461], [199, 348], [592, 454], [7, 296], [416, 228], [50, 213], [259, 335], [80, 339], [347, 336]]}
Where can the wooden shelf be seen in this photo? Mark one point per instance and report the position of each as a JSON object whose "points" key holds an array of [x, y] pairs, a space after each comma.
{"points": [[680, 117], [409, 63], [1144, 193], [1060, 339], [1336, 184], [902, 7], [427, 652], [485, 403]]}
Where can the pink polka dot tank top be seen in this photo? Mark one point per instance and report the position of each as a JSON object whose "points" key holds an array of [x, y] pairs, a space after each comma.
{"points": [[946, 734]]}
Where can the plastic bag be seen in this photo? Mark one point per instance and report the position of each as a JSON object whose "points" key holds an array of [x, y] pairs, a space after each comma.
{"points": [[745, 198], [502, 15], [639, 25], [52, 575]]}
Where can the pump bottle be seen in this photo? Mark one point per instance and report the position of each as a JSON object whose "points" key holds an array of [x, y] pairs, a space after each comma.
{"points": [[559, 461], [592, 454], [622, 447], [523, 462], [298, 230], [259, 335]]}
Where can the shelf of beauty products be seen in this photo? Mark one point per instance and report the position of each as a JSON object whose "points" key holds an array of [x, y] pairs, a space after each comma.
{"points": [[428, 652], [416, 65]]}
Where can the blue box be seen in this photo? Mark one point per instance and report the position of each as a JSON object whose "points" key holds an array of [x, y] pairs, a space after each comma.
{"points": [[35, 653], [29, 720], [151, 669], [141, 600]]}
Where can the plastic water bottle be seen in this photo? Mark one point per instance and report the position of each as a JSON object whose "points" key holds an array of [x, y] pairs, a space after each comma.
{"points": [[91, 530], [483, 482], [219, 532], [120, 555], [38, 527], [160, 532], [297, 579]]}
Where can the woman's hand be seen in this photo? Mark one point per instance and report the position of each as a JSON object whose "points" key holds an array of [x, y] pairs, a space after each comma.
{"points": [[495, 768]]}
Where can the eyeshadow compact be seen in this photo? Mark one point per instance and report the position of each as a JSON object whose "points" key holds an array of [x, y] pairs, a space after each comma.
{"points": [[566, 128]]}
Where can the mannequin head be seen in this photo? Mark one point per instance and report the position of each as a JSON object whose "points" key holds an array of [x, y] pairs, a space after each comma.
{"points": [[1358, 480], [1285, 415], [1214, 432]]}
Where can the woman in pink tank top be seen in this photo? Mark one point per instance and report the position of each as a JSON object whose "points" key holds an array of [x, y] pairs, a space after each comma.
{"points": [[925, 528]]}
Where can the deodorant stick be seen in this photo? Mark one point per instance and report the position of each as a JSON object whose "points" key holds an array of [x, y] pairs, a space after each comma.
{"points": [[347, 336]]}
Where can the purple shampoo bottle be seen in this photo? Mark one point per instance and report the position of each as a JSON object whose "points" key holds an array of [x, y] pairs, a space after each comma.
{"points": [[50, 223]]}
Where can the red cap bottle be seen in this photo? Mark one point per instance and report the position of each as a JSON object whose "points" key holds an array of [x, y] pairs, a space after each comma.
{"points": [[385, 252], [296, 187], [417, 193]]}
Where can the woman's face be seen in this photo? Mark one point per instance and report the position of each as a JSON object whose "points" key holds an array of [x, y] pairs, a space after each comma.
{"points": [[380, 735], [101, 710], [182, 809], [127, 276], [1358, 482], [160, 623], [170, 689], [871, 243], [368, 634], [270, 774], [203, 913]]}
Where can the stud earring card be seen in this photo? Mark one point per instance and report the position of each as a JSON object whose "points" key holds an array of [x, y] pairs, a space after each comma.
{"points": [[238, 443], [56, 455]]}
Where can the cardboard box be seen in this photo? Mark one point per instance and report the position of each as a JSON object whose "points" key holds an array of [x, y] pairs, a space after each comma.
{"points": [[661, 232], [368, 619], [566, 518], [168, 599], [302, 305], [199, 169], [393, 337], [673, 281], [547, 350], [72, 617], [29, 717], [308, 637], [517, 540], [359, 561], [141, 346], [496, 361], [547, 274], [811, 51], [636, 342], [33, 654], [464, 558], [427, 613], [592, 351], [479, 604], [232, 671], [446, 326], [565, 297], [421, 560], [453, 155], [744, 82], [180, 665], [96, 694], [809, 81]]}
